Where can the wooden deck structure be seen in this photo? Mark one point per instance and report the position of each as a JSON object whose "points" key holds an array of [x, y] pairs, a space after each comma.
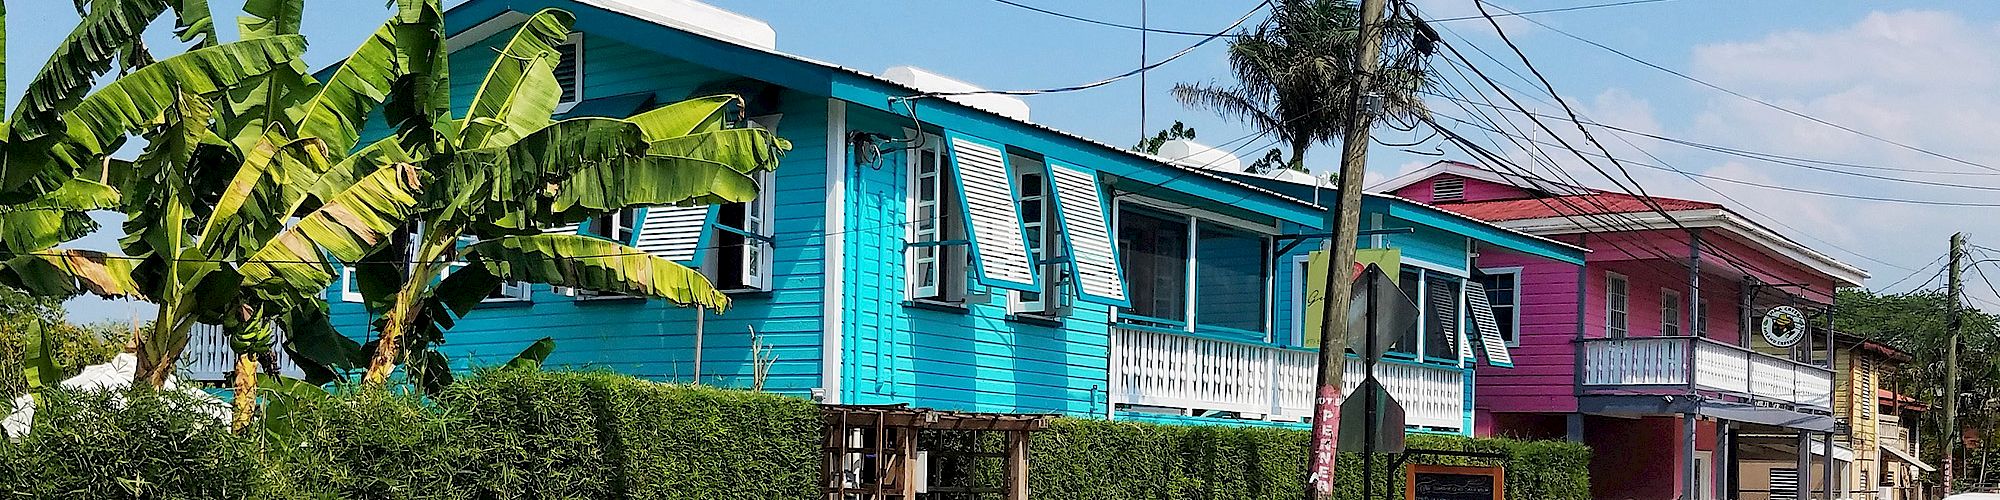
{"points": [[878, 452]]}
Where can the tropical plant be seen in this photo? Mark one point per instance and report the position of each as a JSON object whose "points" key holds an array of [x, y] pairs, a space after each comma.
{"points": [[491, 187], [1151, 145], [1295, 74], [240, 140]]}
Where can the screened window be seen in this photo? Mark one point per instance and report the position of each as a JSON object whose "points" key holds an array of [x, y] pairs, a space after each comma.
{"points": [[1617, 300], [1154, 249], [936, 255], [1441, 318], [1411, 281], [1503, 293], [1670, 313], [1038, 220], [1230, 272]]}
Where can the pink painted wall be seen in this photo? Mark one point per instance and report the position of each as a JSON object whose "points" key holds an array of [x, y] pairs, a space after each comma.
{"points": [[1542, 379], [1475, 190], [1639, 459]]}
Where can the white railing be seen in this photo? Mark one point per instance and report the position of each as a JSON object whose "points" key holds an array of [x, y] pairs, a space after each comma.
{"points": [[1661, 362], [1193, 373], [208, 357]]}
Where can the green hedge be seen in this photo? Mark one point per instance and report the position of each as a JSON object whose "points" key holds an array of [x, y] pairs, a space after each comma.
{"points": [[1095, 459], [536, 435], [497, 435]]}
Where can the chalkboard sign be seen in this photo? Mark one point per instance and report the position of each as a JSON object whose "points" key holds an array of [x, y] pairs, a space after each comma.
{"points": [[1442, 482]]}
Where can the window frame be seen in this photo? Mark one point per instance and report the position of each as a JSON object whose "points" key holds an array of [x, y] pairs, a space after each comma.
{"points": [[1043, 246], [1623, 309], [589, 228], [950, 268], [1671, 313], [1700, 316], [1194, 217], [1301, 277], [509, 291], [575, 39], [1513, 338], [350, 289], [753, 257]]}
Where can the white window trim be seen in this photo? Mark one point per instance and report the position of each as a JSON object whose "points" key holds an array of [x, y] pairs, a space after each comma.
{"points": [[912, 290], [1301, 276], [574, 38], [510, 290], [1672, 298], [350, 290], [1050, 305], [756, 275], [1516, 271], [1627, 285]]}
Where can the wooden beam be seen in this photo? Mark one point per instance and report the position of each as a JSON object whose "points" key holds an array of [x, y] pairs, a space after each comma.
{"points": [[1017, 465], [906, 442]]}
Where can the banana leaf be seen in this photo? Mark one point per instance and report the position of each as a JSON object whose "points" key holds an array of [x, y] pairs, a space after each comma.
{"points": [[595, 264], [520, 91]]}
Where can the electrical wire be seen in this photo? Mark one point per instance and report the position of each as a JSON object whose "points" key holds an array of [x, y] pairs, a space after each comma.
{"points": [[1756, 100], [1915, 272], [1123, 26], [1121, 76]]}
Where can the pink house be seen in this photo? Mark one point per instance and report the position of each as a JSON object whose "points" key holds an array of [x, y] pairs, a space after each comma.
{"points": [[1690, 350]]}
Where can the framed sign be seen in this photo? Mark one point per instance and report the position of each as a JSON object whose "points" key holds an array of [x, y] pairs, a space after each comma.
{"points": [[1784, 326], [1448, 482]]}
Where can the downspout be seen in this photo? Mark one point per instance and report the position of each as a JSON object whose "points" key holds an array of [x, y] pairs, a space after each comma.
{"points": [[834, 283]]}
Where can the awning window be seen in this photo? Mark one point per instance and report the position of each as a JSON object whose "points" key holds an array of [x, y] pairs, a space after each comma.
{"points": [[1086, 233], [986, 193]]}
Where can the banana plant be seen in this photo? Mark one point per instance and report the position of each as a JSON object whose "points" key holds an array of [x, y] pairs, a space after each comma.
{"points": [[229, 161], [503, 173]]}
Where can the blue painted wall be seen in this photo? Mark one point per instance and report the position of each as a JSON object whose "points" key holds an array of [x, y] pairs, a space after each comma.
{"points": [[971, 359], [651, 338]]}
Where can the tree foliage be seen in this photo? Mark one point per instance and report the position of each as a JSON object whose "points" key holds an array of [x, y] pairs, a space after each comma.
{"points": [[1295, 74]]}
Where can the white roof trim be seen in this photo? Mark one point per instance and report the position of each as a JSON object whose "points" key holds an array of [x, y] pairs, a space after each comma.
{"points": [[1707, 218], [1471, 172]]}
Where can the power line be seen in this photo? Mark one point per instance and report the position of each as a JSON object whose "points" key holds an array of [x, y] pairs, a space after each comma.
{"points": [[1915, 272], [1756, 100], [1121, 76], [1144, 29]]}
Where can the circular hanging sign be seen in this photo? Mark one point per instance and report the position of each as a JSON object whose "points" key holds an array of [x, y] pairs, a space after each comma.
{"points": [[1784, 326]]}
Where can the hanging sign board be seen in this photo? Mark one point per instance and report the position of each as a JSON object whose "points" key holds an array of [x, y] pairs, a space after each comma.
{"points": [[1444, 482], [1389, 420], [1784, 326], [1389, 259]]}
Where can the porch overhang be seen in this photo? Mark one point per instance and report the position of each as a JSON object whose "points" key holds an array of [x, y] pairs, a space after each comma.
{"points": [[1633, 405], [1907, 458]]}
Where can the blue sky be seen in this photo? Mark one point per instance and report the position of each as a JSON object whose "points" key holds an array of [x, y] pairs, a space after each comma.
{"points": [[1922, 73]]}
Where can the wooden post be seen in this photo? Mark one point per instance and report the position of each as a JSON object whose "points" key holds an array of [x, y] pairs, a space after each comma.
{"points": [[1345, 221], [906, 445], [1017, 465]]}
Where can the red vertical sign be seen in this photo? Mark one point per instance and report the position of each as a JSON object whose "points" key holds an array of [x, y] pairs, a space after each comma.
{"points": [[1326, 427]]}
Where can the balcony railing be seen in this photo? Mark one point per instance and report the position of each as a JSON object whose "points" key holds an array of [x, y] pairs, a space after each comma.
{"points": [[1170, 370], [1662, 362], [208, 357]]}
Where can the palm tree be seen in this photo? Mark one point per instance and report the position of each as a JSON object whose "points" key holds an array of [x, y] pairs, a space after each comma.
{"points": [[1295, 74], [490, 187]]}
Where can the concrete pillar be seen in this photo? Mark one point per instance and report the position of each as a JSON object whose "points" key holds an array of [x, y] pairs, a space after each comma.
{"points": [[1574, 432]]}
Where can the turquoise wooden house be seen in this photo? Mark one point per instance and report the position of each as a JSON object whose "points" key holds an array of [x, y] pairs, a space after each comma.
{"points": [[944, 251]]}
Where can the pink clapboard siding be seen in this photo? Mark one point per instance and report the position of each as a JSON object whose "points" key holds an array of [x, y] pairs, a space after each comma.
{"points": [[1475, 190], [1543, 376]]}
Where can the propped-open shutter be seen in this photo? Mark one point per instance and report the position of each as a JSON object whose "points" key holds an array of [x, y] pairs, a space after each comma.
{"points": [[986, 190], [1487, 325], [674, 233], [1093, 257]]}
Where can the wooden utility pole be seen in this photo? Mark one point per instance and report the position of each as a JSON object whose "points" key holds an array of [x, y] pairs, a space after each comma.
{"points": [[1345, 220], [1955, 289]]}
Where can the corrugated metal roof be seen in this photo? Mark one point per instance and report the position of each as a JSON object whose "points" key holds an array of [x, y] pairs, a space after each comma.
{"points": [[1596, 203]]}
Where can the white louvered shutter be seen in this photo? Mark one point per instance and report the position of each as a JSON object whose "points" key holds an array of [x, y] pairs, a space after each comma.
{"points": [[1093, 257], [673, 233], [992, 217], [1488, 325]]}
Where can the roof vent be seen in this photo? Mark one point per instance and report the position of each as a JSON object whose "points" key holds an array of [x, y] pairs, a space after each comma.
{"points": [[1446, 189], [1192, 154], [928, 81], [699, 18]]}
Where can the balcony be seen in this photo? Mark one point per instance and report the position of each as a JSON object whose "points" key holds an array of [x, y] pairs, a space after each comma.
{"points": [[1179, 371], [1647, 363]]}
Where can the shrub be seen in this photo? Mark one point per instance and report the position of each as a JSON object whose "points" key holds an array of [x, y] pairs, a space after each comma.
{"points": [[1094, 459]]}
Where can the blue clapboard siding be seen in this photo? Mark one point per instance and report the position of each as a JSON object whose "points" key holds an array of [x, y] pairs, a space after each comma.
{"points": [[651, 338], [1427, 246], [975, 359]]}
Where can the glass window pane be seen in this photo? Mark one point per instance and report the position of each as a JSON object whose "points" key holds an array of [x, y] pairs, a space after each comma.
{"points": [[1154, 251], [1411, 282], [1229, 278]]}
